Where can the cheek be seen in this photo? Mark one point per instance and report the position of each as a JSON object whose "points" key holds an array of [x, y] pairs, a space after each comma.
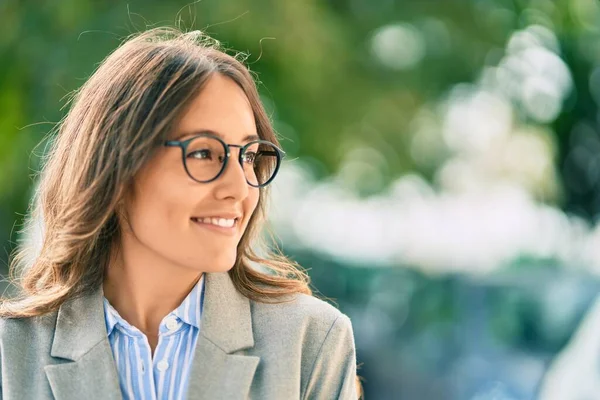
{"points": [[252, 200], [250, 205], [160, 206], [155, 215]]}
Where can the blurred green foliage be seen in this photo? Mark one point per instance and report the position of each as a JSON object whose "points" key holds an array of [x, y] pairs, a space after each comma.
{"points": [[325, 90]]}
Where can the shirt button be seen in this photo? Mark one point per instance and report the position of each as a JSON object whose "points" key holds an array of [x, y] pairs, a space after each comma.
{"points": [[172, 323], [162, 365]]}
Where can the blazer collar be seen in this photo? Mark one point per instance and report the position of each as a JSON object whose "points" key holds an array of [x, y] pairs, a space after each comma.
{"points": [[226, 327], [218, 372], [80, 326], [80, 337], [226, 319]]}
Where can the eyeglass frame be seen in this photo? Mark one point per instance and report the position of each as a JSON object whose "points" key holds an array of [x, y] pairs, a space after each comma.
{"points": [[183, 145]]}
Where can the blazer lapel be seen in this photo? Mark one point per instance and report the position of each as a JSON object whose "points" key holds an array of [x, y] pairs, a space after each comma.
{"points": [[216, 373], [80, 338], [226, 328]]}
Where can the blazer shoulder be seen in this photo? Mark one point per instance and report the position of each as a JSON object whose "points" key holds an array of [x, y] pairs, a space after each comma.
{"points": [[297, 312], [23, 330], [316, 308]]}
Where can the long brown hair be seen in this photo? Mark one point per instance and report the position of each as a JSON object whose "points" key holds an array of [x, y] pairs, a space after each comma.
{"points": [[118, 118]]}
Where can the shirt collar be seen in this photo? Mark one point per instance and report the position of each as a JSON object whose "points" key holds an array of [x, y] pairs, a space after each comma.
{"points": [[189, 311]]}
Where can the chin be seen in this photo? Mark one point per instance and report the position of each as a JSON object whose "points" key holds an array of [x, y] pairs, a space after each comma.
{"points": [[221, 263], [221, 267]]}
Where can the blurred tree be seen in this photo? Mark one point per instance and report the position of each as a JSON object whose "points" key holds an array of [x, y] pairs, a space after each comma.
{"points": [[337, 75], [326, 90]]}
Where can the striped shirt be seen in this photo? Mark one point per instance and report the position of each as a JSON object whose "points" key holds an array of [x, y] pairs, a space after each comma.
{"points": [[166, 375]]}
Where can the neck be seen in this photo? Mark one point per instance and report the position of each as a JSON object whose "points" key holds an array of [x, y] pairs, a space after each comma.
{"points": [[144, 287]]}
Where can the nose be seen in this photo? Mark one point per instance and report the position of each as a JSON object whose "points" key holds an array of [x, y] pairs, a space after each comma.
{"points": [[232, 182]]}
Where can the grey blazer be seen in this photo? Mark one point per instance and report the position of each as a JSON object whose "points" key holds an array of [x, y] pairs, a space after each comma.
{"points": [[303, 349]]}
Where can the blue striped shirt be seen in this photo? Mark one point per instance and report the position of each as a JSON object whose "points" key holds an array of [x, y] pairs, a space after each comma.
{"points": [[166, 375]]}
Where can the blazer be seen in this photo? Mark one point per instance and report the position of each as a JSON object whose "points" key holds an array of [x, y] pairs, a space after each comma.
{"points": [[301, 349]]}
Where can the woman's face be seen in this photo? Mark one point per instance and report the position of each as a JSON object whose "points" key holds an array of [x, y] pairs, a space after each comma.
{"points": [[173, 216]]}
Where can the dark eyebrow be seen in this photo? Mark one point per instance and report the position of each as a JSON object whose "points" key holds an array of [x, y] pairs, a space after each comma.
{"points": [[248, 138]]}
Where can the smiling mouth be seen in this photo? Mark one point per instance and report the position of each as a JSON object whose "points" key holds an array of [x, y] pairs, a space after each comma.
{"points": [[226, 223]]}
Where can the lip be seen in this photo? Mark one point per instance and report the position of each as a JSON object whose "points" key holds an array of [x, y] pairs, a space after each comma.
{"points": [[217, 229], [225, 215]]}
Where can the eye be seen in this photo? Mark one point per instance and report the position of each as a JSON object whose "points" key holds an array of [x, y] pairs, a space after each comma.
{"points": [[250, 157], [203, 154]]}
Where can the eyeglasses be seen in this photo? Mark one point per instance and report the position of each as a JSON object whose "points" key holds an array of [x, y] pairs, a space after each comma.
{"points": [[205, 157]]}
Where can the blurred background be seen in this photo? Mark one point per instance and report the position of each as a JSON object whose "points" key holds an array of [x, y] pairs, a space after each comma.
{"points": [[443, 178]]}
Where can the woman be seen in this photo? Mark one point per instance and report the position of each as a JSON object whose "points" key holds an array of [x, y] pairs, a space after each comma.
{"points": [[146, 285]]}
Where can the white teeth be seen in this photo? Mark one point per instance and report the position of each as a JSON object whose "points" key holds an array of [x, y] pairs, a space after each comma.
{"points": [[225, 223]]}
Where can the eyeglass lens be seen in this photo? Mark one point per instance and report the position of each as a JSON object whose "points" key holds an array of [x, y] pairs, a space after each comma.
{"points": [[205, 157]]}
